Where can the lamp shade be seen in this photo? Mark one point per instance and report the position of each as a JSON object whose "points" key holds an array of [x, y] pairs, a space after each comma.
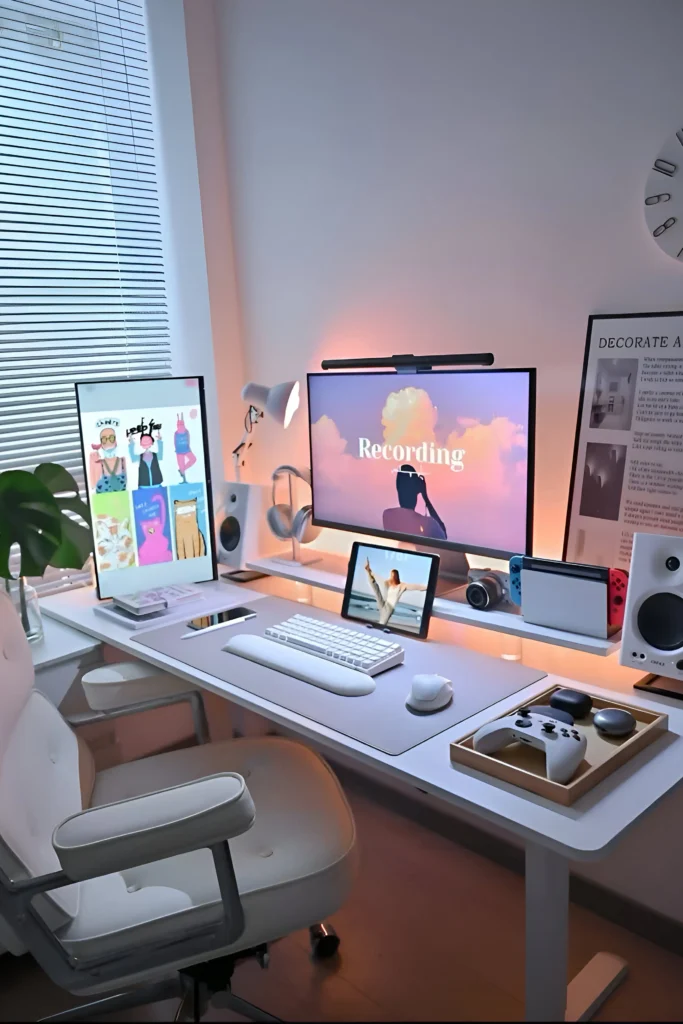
{"points": [[280, 401]]}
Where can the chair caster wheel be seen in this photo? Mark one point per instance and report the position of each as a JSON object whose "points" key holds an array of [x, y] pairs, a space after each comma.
{"points": [[324, 941]]}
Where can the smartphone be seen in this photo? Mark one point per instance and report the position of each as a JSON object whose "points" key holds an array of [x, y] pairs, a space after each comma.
{"points": [[243, 576], [227, 617]]}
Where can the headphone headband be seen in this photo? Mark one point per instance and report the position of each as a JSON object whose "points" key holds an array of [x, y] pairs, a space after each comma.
{"points": [[284, 470]]}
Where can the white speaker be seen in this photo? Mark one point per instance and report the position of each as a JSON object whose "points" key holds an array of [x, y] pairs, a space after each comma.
{"points": [[652, 637], [241, 524]]}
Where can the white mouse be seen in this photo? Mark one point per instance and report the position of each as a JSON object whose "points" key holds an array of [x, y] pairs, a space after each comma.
{"points": [[429, 693]]}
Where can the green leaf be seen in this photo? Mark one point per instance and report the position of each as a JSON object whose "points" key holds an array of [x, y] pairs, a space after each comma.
{"points": [[76, 545], [57, 479], [29, 517], [76, 537]]}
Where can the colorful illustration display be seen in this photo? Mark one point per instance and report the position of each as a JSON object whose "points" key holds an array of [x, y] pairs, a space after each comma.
{"points": [[147, 482]]}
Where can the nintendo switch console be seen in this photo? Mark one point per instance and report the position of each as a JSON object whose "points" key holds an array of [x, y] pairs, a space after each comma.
{"points": [[515, 577], [578, 598], [617, 584]]}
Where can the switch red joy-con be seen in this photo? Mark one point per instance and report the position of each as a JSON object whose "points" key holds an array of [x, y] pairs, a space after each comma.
{"points": [[617, 583]]}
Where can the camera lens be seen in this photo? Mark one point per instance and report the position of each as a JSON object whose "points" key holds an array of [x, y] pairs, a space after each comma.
{"points": [[672, 563], [485, 592], [477, 595]]}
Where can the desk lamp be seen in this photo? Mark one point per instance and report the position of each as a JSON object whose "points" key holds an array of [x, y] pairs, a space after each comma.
{"points": [[280, 402], [244, 505]]}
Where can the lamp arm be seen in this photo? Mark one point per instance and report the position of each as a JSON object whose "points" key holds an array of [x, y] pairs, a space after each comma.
{"points": [[252, 417]]}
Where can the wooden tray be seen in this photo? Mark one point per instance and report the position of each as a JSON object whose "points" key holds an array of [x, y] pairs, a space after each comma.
{"points": [[524, 766]]}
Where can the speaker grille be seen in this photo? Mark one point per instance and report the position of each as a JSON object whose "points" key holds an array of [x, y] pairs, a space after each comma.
{"points": [[229, 533], [660, 621]]}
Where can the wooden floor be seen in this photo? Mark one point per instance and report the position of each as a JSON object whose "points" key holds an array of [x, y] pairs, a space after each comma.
{"points": [[432, 932]]}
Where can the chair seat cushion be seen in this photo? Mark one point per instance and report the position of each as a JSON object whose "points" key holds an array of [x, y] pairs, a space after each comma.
{"points": [[294, 866]]}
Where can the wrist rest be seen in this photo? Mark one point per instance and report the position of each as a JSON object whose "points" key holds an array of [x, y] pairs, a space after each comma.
{"points": [[347, 682]]}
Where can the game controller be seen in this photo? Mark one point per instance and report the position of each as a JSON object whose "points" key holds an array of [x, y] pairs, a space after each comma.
{"points": [[617, 583], [564, 747], [515, 588]]}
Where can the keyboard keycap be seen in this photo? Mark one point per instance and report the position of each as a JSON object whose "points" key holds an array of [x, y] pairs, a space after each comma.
{"points": [[336, 644], [310, 645]]}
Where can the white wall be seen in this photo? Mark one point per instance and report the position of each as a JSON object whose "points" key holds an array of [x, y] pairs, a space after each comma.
{"points": [[184, 250], [446, 175], [209, 138]]}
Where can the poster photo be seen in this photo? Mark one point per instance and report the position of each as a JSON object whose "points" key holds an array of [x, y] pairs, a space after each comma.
{"points": [[627, 473]]}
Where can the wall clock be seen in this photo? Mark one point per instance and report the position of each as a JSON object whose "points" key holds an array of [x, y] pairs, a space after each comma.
{"points": [[664, 197]]}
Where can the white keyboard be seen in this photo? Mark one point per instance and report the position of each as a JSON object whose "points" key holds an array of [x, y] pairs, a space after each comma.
{"points": [[365, 650]]}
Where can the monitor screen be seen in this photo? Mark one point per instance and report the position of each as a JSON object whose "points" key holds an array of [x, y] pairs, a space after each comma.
{"points": [[148, 482], [445, 458]]}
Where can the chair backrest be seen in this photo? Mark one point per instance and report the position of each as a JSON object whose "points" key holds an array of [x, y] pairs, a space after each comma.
{"points": [[40, 778], [16, 669]]}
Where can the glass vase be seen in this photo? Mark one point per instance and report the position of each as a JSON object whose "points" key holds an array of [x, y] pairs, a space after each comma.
{"points": [[25, 600]]}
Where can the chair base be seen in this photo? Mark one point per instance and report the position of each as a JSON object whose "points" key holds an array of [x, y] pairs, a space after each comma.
{"points": [[324, 941], [201, 985], [192, 1006]]}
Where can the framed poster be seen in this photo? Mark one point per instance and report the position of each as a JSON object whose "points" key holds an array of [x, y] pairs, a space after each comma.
{"points": [[627, 471]]}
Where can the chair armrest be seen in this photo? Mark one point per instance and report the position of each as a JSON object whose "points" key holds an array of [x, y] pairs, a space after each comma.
{"points": [[192, 697], [129, 687], [122, 684], [154, 826]]}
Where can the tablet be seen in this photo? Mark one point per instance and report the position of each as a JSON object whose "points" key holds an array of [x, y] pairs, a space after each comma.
{"points": [[391, 588]]}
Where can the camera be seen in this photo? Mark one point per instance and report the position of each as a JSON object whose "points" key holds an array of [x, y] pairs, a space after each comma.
{"points": [[672, 563], [487, 588]]}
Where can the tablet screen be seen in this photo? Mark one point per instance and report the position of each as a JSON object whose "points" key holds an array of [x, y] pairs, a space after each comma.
{"points": [[391, 588]]}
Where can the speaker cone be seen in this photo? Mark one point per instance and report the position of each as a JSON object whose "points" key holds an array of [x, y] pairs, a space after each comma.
{"points": [[229, 533], [660, 621]]}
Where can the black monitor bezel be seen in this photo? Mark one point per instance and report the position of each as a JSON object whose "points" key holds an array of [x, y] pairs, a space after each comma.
{"points": [[431, 542], [207, 462]]}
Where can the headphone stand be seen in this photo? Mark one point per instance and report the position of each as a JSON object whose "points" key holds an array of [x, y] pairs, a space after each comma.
{"points": [[296, 557]]}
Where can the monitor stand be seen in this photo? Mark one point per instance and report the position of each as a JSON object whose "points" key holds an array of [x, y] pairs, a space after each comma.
{"points": [[453, 569]]}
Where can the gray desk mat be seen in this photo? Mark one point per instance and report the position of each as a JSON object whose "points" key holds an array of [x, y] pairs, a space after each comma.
{"points": [[379, 719]]}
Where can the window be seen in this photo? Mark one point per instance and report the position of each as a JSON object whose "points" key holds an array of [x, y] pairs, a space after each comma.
{"points": [[82, 276]]}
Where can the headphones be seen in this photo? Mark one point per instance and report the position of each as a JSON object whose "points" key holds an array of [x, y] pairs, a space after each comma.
{"points": [[283, 521]]}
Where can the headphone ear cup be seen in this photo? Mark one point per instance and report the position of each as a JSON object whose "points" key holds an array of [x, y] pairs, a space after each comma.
{"points": [[302, 528], [279, 519]]}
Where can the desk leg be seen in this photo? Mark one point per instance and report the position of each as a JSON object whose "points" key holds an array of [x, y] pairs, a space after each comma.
{"points": [[547, 997], [546, 926]]}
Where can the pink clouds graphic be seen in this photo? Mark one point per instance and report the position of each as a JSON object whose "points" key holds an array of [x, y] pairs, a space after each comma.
{"points": [[483, 506], [408, 417]]}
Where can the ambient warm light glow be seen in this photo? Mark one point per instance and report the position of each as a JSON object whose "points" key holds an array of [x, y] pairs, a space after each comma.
{"points": [[292, 403]]}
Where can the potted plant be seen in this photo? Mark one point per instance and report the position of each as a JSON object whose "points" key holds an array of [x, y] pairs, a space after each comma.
{"points": [[34, 514]]}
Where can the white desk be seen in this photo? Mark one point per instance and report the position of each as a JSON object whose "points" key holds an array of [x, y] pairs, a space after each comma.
{"points": [[59, 656], [552, 835], [60, 643]]}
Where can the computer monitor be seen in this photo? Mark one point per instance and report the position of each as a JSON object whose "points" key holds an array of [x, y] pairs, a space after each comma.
{"points": [[148, 482], [441, 458]]}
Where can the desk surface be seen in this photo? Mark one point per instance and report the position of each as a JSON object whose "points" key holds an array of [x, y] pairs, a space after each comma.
{"points": [[584, 831], [60, 643]]}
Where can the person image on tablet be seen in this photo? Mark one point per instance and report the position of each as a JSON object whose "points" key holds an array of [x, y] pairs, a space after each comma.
{"points": [[394, 591]]}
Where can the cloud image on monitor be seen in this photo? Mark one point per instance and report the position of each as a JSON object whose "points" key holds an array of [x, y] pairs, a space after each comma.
{"points": [[444, 457]]}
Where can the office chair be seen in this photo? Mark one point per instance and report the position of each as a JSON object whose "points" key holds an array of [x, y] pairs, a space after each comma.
{"points": [[154, 878]]}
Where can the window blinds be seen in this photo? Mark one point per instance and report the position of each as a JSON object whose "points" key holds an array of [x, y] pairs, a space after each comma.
{"points": [[82, 279]]}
